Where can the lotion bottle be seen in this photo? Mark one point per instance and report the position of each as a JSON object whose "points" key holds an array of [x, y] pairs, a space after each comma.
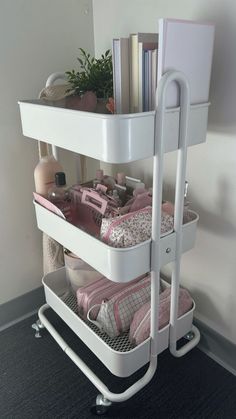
{"points": [[44, 174]]}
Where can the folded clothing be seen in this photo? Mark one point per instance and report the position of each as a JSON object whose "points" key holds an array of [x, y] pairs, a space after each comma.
{"points": [[140, 325]]}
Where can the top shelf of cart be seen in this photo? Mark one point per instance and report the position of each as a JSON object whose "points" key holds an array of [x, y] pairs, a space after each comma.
{"points": [[119, 138]]}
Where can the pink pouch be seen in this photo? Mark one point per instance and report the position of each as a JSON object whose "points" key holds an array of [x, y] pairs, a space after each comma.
{"points": [[140, 326], [91, 206], [93, 294], [97, 199], [132, 228], [141, 200], [115, 315]]}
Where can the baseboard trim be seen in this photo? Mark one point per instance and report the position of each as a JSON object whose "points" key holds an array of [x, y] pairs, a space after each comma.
{"points": [[21, 307], [217, 347]]}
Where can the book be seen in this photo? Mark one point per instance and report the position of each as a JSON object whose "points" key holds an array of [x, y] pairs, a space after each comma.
{"points": [[136, 52], [142, 47], [154, 79], [149, 80], [186, 46], [146, 81], [121, 74]]}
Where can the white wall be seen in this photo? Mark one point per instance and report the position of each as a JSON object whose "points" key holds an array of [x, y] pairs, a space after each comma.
{"points": [[37, 38], [209, 270]]}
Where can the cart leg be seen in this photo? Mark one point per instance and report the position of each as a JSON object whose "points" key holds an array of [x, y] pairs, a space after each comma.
{"points": [[102, 405], [37, 326]]}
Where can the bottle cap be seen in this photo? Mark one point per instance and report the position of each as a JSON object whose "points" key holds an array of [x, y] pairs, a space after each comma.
{"points": [[60, 179]]}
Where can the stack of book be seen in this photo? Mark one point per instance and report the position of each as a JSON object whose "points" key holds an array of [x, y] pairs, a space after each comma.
{"points": [[135, 72], [140, 61]]}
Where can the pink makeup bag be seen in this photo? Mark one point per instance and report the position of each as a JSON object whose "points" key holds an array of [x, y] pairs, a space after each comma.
{"points": [[133, 228], [140, 326], [115, 315], [94, 294]]}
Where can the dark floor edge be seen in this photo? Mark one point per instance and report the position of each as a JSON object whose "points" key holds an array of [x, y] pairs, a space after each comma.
{"points": [[21, 307], [217, 347]]}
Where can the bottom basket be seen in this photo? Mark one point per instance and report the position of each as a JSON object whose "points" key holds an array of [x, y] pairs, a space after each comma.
{"points": [[117, 354]]}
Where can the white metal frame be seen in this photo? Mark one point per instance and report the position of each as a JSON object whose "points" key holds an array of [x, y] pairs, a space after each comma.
{"points": [[50, 81], [155, 254]]}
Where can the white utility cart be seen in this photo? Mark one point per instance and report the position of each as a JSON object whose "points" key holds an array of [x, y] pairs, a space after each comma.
{"points": [[123, 139]]}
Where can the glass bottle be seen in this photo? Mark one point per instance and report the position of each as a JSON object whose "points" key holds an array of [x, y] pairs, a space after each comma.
{"points": [[59, 196]]}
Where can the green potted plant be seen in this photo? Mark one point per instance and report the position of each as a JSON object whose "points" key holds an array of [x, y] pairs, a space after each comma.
{"points": [[96, 76]]}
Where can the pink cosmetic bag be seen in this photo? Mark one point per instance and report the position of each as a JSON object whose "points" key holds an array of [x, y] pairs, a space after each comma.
{"points": [[141, 199], [133, 228], [90, 206], [95, 293], [140, 326], [115, 315]]}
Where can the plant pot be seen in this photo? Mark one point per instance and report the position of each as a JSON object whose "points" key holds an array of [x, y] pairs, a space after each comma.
{"points": [[87, 102], [101, 106]]}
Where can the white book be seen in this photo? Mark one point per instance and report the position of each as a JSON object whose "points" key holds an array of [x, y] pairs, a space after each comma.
{"points": [[144, 46], [120, 54], [140, 77], [146, 77], [134, 65], [186, 46], [154, 79], [149, 80]]}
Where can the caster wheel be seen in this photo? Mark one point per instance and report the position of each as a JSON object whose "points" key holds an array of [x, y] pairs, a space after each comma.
{"points": [[99, 410], [189, 336], [101, 407], [37, 326]]}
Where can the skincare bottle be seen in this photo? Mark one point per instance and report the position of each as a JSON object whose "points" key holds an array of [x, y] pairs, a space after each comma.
{"points": [[120, 179], [99, 178], [186, 213], [116, 197], [44, 174], [59, 196]]}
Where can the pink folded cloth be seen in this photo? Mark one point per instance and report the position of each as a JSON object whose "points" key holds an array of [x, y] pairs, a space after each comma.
{"points": [[140, 325]]}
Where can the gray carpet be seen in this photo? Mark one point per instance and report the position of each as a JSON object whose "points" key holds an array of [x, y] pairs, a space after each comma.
{"points": [[37, 380]]}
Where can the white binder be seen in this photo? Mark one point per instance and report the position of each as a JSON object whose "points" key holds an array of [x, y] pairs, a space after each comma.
{"points": [[186, 46]]}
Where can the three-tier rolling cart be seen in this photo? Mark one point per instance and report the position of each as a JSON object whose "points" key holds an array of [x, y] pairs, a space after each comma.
{"points": [[123, 139]]}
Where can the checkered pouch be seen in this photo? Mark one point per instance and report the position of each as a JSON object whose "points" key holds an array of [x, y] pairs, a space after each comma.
{"points": [[116, 314]]}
